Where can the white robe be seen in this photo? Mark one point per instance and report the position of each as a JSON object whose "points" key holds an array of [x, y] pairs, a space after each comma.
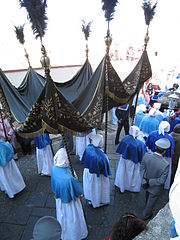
{"points": [[128, 175], [44, 158], [96, 189], [11, 180], [82, 142], [71, 217]]}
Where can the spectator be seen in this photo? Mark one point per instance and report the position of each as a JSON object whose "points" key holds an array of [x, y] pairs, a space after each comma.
{"points": [[7, 133], [127, 227]]}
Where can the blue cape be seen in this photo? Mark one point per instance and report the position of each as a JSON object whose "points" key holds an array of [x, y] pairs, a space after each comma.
{"points": [[42, 141], [96, 161], [64, 185], [6, 152], [149, 124], [132, 149], [172, 122], [138, 117], [154, 136]]}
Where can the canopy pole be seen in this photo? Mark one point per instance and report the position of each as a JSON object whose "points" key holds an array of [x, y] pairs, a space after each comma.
{"points": [[135, 108], [67, 150], [108, 41]]}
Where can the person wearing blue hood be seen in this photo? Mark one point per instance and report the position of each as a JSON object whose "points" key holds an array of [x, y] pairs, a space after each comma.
{"points": [[96, 173], [44, 154], [132, 151], [11, 180], [68, 192]]}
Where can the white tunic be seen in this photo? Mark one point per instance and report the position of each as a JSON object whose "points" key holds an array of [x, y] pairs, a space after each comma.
{"points": [[44, 158], [11, 180], [128, 176], [96, 189], [71, 217], [82, 142]]}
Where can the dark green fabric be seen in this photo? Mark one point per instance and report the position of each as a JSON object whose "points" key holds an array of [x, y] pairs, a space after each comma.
{"points": [[73, 88]]}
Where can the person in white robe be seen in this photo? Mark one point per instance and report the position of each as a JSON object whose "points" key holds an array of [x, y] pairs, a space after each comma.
{"points": [[132, 151], [68, 191], [11, 180], [44, 154], [96, 173], [82, 142]]}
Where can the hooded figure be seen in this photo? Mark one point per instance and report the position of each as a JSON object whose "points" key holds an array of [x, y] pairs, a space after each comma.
{"points": [[11, 180], [149, 123], [96, 173], [140, 113], [82, 142], [44, 154], [132, 151], [162, 132], [67, 190]]}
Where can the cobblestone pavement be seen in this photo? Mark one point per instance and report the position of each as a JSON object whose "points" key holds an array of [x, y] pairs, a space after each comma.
{"points": [[18, 215]]}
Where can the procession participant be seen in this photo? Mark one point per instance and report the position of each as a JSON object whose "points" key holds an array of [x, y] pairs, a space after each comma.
{"points": [[149, 123], [175, 158], [122, 114], [6, 132], [162, 132], [68, 191], [96, 173], [82, 142], [140, 113], [11, 180], [44, 154], [154, 172], [132, 151]]}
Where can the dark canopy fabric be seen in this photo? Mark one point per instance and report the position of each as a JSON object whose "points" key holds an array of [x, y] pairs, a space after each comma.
{"points": [[22, 98], [31, 87], [73, 88], [51, 113], [12, 100], [92, 102]]}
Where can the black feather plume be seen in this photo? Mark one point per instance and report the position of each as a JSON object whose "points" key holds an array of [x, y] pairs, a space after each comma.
{"points": [[36, 10], [109, 8], [149, 10], [19, 30], [86, 28]]}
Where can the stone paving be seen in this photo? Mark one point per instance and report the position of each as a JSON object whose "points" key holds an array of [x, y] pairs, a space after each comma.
{"points": [[18, 215]]}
